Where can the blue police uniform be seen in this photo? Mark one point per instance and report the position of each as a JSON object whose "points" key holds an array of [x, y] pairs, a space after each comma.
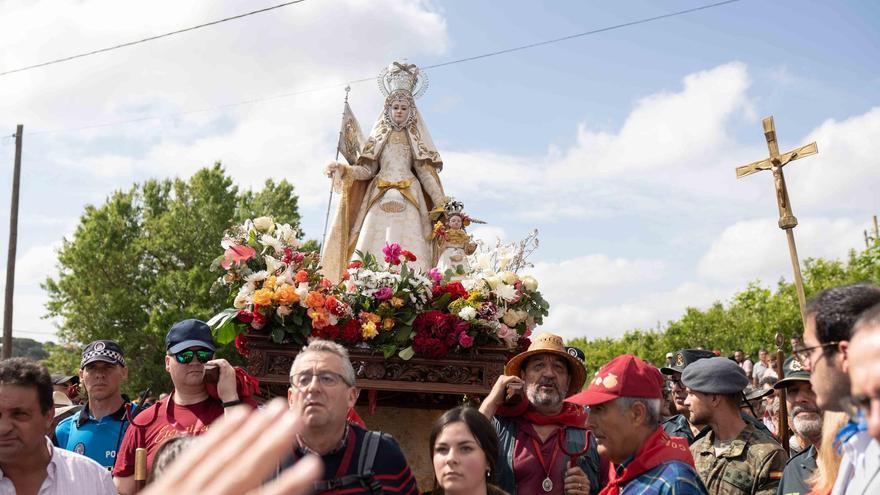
{"points": [[96, 439]]}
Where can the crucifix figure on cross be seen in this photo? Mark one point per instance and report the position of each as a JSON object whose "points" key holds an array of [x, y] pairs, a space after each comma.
{"points": [[775, 163], [787, 220]]}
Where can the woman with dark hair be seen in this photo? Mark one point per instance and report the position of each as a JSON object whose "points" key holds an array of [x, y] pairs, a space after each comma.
{"points": [[464, 447]]}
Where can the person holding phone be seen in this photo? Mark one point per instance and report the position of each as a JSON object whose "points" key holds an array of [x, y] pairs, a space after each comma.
{"points": [[528, 408], [189, 410]]}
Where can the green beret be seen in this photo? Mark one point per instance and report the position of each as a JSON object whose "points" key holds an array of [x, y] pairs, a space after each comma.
{"points": [[717, 375]]}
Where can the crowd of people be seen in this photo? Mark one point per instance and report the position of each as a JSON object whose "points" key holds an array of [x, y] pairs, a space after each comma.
{"points": [[700, 424]]}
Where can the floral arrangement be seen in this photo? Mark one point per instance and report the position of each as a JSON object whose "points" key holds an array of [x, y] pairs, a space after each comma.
{"points": [[382, 305]]}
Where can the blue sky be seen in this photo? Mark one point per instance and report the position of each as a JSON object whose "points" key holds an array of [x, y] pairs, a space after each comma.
{"points": [[619, 147]]}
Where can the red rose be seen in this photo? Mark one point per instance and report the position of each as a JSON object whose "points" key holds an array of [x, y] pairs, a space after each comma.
{"points": [[408, 255], [429, 347], [244, 316], [259, 320], [355, 264], [454, 289], [351, 332], [241, 345], [330, 332]]}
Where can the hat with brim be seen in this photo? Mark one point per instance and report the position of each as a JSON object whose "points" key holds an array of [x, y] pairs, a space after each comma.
{"points": [[760, 393], [547, 343], [58, 379], [793, 372]]}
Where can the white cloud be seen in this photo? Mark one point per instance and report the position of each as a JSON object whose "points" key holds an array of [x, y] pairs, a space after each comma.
{"points": [[584, 278], [844, 175], [758, 249], [488, 234], [571, 319]]}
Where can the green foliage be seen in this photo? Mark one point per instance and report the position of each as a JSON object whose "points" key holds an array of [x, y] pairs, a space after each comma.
{"points": [[749, 320], [28, 348], [138, 263]]}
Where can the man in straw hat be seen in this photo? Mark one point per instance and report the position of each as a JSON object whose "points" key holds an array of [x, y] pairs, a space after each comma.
{"points": [[533, 459], [624, 400]]}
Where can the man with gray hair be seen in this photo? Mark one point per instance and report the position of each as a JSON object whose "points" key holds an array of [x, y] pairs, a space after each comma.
{"points": [[806, 421], [357, 461], [624, 400]]}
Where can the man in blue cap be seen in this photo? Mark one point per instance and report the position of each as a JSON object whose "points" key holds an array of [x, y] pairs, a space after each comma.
{"points": [[734, 457], [189, 410], [97, 430]]}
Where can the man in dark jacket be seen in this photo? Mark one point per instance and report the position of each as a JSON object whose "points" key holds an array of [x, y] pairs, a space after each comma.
{"points": [[541, 433]]}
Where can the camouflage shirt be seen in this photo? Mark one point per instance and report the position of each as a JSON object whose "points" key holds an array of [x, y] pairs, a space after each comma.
{"points": [[753, 463]]}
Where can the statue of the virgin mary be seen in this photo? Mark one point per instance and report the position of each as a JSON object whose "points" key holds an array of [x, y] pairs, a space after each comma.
{"points": [[393, 185]]}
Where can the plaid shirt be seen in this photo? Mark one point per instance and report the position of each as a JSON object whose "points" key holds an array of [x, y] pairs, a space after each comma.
{"points": [[669, 478]]}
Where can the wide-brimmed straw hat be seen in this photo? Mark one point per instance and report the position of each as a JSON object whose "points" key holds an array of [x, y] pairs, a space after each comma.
{"points": [[547, 343]]}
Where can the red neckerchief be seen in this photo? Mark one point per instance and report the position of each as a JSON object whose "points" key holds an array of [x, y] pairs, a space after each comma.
{"points": [[570, 415], [657, 449]]}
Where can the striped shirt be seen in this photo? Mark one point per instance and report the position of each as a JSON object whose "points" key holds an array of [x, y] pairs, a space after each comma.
{"points": [[68, 473]]}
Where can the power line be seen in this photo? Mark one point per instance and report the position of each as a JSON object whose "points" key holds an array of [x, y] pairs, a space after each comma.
{"points": [[151, 38], [368, 79], [580, 35]]}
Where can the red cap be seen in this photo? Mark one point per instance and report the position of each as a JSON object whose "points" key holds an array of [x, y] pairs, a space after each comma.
{"points": [[624, 376]]}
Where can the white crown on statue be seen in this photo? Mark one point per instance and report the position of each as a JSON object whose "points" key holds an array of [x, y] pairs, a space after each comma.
{"points": [[401, 76], [454, 208]]}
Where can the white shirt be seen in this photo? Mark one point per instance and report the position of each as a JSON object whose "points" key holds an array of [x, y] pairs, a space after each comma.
{"points": [[859, 472], [68, 473]]}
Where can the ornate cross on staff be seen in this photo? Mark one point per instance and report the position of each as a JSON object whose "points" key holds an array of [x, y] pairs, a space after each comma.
{"points": [[787, 220]]}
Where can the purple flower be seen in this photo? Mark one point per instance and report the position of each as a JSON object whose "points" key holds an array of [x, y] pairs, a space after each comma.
{"points": [[435, 275], [392, 253], [383, 294]]}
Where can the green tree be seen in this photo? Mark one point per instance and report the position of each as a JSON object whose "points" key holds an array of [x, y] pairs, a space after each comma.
{"points": [[748, 321], [140, 262]]}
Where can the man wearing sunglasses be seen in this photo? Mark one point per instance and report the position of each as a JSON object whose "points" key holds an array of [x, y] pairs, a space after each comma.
{"points": [[189, 410]]}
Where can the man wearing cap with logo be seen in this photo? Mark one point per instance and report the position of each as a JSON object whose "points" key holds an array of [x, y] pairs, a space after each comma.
{"points": [[624, 400], [189, 410], [533, 432], [679, 425], [97, 430], [734, 457], [805, 417]]}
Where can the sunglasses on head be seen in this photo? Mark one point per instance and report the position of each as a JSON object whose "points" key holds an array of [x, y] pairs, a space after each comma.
{"points": [[184, 357]]}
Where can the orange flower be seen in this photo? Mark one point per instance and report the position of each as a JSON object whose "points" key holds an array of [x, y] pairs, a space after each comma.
{"points": [[301, 276], [269, 283], [286, 295], [366, 315], [397, 302], [388, 323], [320, 318], [315, 300], [262, 297]]}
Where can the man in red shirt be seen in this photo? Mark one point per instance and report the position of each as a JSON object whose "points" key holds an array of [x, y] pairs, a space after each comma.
{"points": [[189, 410]]}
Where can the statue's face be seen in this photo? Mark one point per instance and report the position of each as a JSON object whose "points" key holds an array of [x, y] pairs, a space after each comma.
{"points": [[399, 110], [455, 222]]}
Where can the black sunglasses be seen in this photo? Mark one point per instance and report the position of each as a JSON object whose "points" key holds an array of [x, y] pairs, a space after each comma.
{"points": [[203, 356]]}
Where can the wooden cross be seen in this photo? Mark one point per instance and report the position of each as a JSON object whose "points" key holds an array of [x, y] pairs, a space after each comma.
{"points": [[787, 220]]}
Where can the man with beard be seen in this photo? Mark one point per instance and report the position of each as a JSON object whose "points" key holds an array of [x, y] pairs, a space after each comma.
{"points": [[830, 318], [624, 401], [864, 369], [531, 460], [806, 421], [678, 425], [734, 457], [97, 430], [189, 410]]}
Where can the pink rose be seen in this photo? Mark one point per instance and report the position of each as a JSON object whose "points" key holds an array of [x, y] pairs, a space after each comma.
{"points": [[435, 275], [465, 340], [383, 294]]}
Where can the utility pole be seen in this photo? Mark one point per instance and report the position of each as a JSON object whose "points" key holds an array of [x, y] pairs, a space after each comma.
{"points": [[13, 241]]}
